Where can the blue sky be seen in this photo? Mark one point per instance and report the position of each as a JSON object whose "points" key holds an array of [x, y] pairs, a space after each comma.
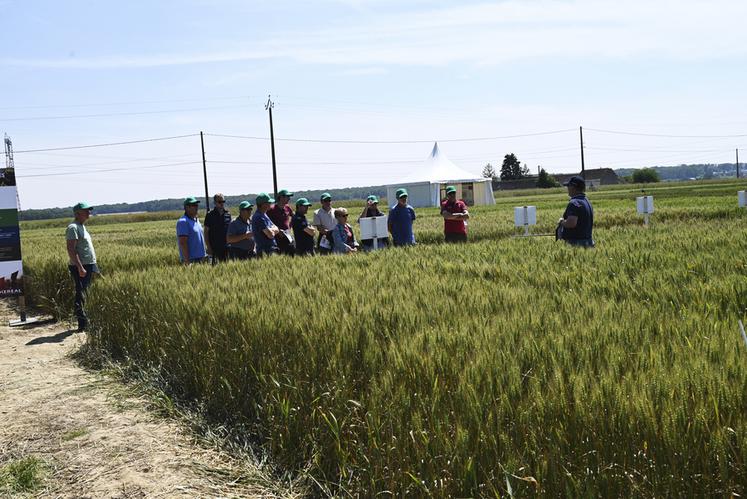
{"points": [[88, 72]]}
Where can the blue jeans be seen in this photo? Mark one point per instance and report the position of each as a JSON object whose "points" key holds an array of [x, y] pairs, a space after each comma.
{"points": [[586, 243], [81, 284]]}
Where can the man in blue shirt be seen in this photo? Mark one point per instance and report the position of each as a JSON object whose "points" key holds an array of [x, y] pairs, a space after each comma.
{"points": [[263, 228], [400, 220], [239, 236], [189, 234], [575, 227]]}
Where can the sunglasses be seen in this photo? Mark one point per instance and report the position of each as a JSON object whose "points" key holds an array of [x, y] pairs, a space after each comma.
{"points": [[220, 202]]}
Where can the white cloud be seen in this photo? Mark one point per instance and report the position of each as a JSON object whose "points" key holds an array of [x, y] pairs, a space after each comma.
{"points": [[487, 34]]}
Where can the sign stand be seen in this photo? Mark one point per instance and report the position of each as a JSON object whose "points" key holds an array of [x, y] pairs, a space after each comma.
{"points": [[742, 199], [24, 320], [524, 216], [645, 206]]}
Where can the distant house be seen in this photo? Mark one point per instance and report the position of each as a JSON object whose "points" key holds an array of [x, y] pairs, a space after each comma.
{"points": [[594, 178]]}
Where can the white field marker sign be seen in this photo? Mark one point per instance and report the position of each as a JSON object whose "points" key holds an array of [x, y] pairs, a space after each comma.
{"points": [[524, 216], [742, 199], [645, 206], [741, 329], [374, 228]]}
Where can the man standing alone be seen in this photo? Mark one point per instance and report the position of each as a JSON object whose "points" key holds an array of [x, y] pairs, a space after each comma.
{"points": [[455, 216], [189, 234], [575, 227], [216, 226], [82, 259]]}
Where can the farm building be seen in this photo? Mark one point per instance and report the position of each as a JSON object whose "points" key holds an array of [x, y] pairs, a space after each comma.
{"points": [[594, 178], [426, 185]]}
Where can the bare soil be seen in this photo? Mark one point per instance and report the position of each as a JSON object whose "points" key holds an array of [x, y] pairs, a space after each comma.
{"points": [[98, 440]]}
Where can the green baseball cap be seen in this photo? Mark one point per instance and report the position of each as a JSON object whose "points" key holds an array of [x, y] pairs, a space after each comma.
{"points": [[326, 196], [285, 192], [245, 205], [191, 200], [450, 189], [263, 198], [82, 206], [372, 198], [302, 202], [400, 193]]}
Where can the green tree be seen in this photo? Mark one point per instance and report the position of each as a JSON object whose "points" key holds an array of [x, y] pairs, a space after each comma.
{"points": [[489, 171], [645, 176], [545, 180], [512, 169]]}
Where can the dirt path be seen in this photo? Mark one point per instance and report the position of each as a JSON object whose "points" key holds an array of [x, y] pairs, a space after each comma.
{"points": [[95, 440]]}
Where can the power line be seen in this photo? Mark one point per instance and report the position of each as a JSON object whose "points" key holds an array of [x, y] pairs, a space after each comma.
{"points": [[102, 115], [428, 141], [642, 134], [156, 139], [109, 170], [128, 103]]}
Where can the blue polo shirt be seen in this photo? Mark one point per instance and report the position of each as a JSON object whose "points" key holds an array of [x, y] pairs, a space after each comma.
{"points": [[264, 244], [400, 219], [191, 228], [580, 207]]}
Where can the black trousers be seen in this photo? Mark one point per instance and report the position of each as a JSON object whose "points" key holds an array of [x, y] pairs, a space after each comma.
{"points": [[455, 238], [81, 284]]}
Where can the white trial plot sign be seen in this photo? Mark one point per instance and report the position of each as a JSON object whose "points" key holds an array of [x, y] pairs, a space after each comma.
{"points": [[525, 215], [644, 204], [374, 227]]}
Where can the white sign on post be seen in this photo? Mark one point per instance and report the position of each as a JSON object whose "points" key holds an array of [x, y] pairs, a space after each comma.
{"points": [[645, 206], [524, 216], [374, 228], [742, 199]]}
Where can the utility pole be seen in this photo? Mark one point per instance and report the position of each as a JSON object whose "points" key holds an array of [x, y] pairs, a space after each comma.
{"points": [[737, 163], [204, 173], [268, 106], [583, 168]]}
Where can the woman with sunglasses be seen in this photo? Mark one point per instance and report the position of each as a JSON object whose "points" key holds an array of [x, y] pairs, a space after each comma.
{"points": [[343, 234]]}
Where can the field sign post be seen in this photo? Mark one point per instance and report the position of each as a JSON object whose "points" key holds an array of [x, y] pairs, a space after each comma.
{"points": [[374, 228], [742, 199], [524, 216], [645, 206]]}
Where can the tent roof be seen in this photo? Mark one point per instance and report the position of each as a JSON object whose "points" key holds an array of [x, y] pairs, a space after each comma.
{"points": [[438, 168]]}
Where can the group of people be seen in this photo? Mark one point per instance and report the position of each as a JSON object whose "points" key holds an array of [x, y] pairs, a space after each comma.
{"points": [[276, 229]]}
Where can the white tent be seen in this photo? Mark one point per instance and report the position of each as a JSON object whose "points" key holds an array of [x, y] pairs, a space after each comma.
{"points": [[426, 185]]}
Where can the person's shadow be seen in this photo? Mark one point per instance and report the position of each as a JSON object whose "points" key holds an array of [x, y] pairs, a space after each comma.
{"points": [[57, 338]]}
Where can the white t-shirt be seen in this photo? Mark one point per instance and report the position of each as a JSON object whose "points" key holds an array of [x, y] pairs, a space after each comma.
{"points": [[325, 219]]}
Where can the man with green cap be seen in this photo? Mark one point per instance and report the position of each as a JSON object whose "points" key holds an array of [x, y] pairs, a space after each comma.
{"points": [[302, 231], [262, 227], [239, 235], [281, 215], [401, 217], [455, 216], [189, 234], [325, 222], [82, 256]]}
